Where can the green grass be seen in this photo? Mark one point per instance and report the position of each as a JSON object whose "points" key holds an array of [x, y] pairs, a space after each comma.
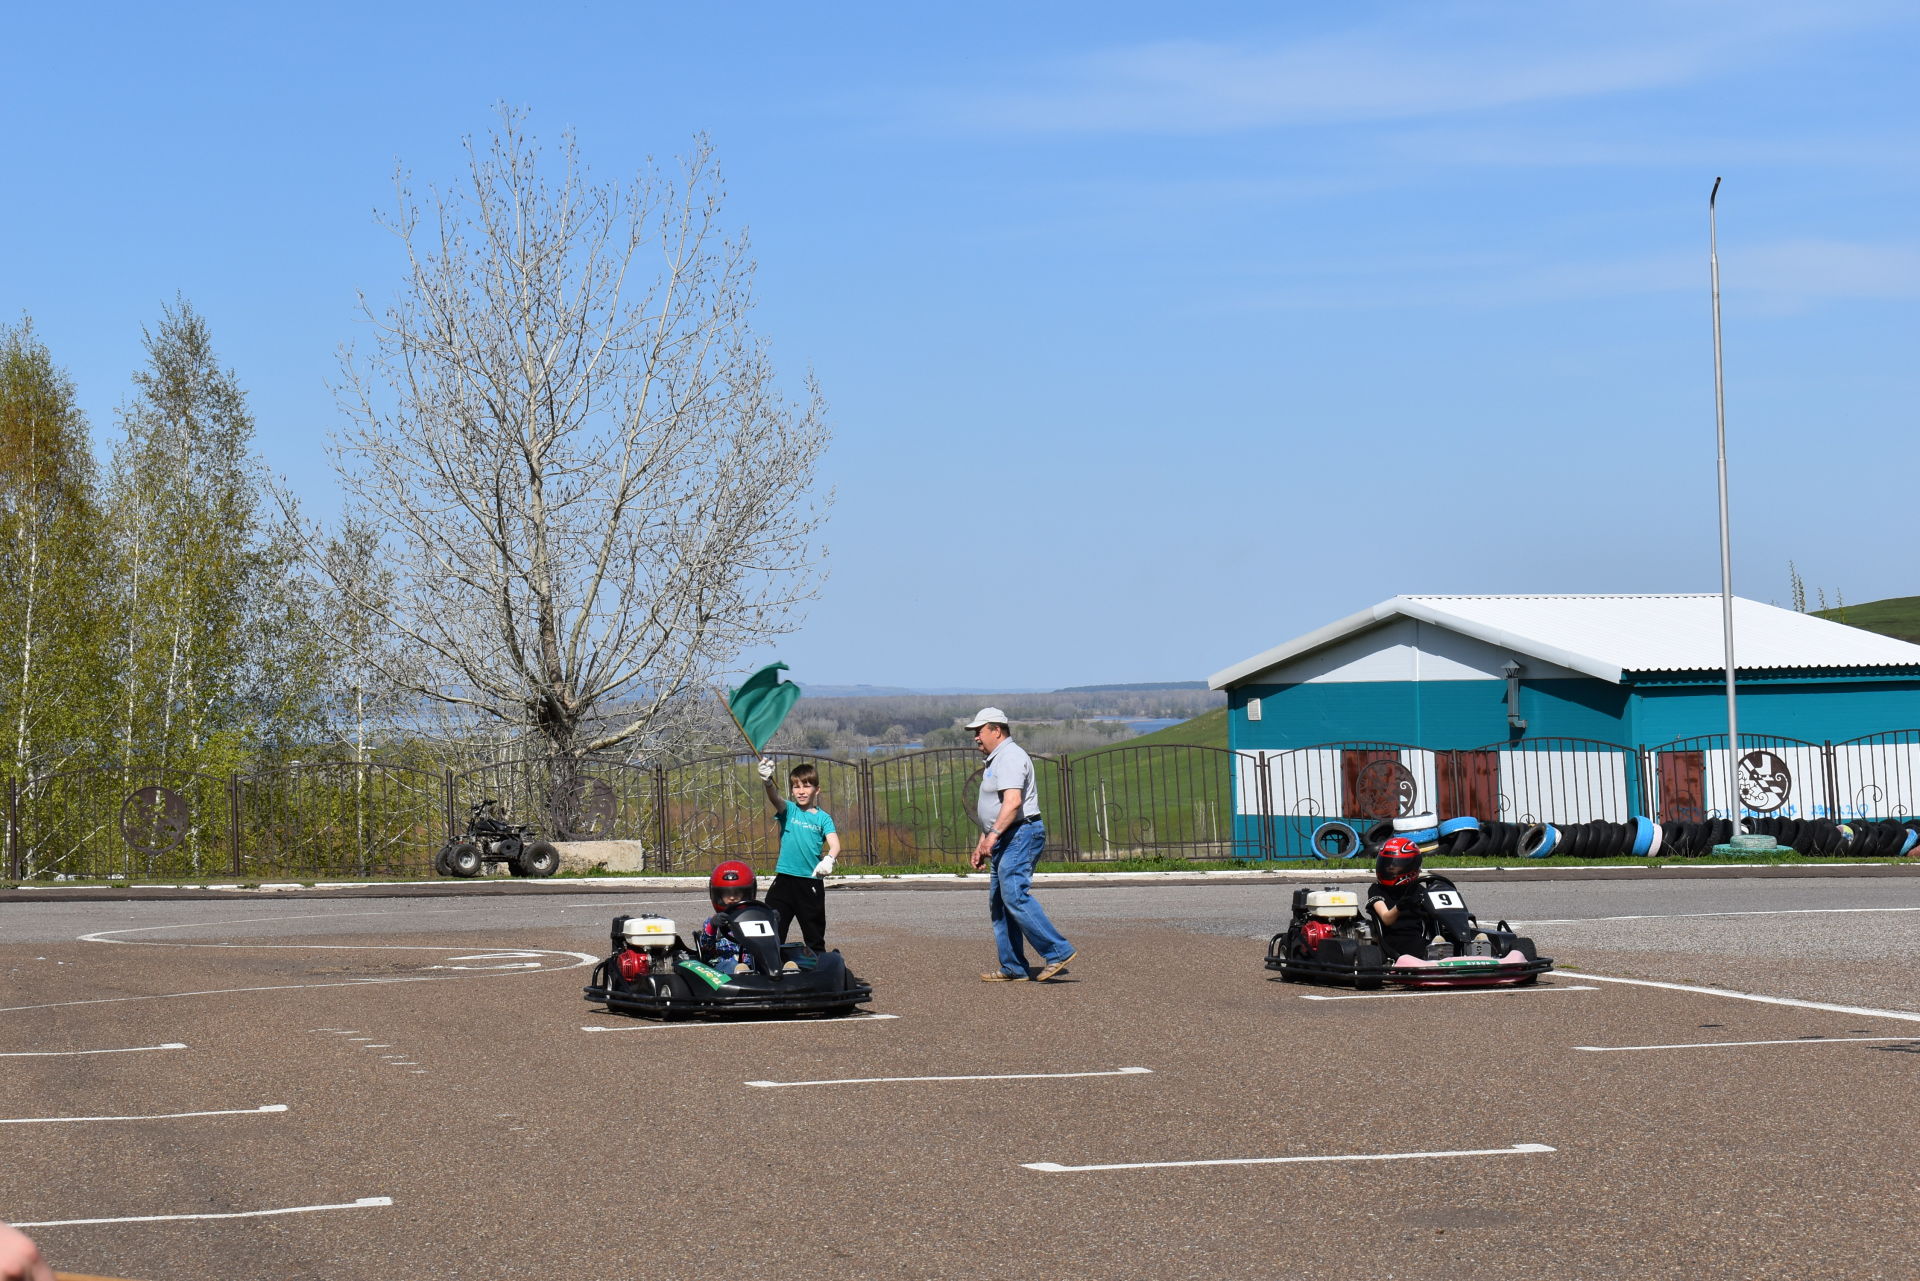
{"points": [[1209, 729], [1896, 616]]}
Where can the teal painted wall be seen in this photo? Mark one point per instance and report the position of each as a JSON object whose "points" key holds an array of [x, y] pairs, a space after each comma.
{"points": [[1441, 715], [1815, 712], [1447, 715]]}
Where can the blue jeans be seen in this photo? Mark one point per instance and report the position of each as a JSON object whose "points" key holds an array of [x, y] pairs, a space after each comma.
{"points": [[1017, 918]]}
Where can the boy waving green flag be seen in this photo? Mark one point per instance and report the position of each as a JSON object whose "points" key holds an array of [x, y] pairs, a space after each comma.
{"points": [[761, 704]]}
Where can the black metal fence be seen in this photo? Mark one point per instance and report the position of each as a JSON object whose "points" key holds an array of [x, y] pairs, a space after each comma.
{"points": [[1149, 801]]}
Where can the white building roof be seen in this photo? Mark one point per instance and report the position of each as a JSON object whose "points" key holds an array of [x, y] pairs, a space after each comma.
{"points": [[1607, 636]]}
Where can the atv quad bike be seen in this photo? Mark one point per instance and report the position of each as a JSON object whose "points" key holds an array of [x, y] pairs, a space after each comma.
{"points": [[491, 839], [1332, 938], [654, 974]]}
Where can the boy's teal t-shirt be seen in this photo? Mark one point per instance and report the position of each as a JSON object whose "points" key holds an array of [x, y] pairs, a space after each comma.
{"points": [[803, 836]]}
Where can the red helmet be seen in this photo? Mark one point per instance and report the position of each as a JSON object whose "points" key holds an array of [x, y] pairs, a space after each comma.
{"points": [[1397, 862], [732, 877]]}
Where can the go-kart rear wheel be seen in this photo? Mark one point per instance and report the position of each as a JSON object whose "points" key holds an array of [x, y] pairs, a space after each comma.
{"points": [[440, 865], [463, 859]]}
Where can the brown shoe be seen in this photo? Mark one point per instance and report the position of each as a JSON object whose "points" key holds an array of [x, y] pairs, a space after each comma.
{"points": [[1054, 969], [1001, 976]]}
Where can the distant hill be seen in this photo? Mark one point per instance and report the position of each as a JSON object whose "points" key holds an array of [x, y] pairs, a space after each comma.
{"points": [[1896, 616], [1122, 689]]}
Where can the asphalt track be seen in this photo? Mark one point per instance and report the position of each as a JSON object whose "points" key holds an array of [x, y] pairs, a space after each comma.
{"points": [[404, 1087]]}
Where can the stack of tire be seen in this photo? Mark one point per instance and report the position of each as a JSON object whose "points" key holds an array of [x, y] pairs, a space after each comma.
{"points": [[1825, 838], [1636, 838], [1451, 836]]}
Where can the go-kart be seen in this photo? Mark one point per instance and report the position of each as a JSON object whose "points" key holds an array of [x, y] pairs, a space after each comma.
{"points": [[653, 973], [1332, 938]]}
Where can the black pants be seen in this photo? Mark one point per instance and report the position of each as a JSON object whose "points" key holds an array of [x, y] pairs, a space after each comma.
{"points": [[803, 899]]}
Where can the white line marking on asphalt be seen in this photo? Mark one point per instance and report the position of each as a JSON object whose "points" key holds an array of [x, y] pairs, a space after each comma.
{"points": [[219, 991], [359, 1038], [364, 1202], [1009, 1076], [54, 1054], [1518, 1149], [163, 1116], [1676, 916], [1473, 991], [1905, 1016], [1709, 1045], [684, 1027]]}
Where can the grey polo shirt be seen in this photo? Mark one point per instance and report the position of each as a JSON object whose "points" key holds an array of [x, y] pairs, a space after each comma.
{"points": [[1008, 765]]}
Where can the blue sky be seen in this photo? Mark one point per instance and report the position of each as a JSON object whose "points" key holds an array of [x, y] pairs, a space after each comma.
{"points": [[1154, 335]]}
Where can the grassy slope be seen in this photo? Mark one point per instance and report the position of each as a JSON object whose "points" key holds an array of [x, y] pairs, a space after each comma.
{"points": [[1897, 616], [1209, 729]]}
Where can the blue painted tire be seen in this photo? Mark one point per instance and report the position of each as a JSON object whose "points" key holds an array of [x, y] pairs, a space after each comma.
{"points": [[1643, 835], [1913, 838], [1344, 839], [1539, 840], [1453, 825]]}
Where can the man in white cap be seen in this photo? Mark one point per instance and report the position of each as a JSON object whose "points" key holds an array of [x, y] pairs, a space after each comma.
{"points": [[1011, 838]]}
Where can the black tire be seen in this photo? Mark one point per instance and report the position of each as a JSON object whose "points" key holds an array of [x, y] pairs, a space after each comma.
{"points": [[463, 859], [538, 859], [440, 865]]}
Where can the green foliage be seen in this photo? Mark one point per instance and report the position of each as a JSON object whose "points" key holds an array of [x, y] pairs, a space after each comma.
{"points": [[49, 560], [216, 645]]}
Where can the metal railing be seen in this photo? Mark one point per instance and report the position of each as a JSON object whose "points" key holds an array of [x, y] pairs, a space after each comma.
{"points": [[346, 818]]}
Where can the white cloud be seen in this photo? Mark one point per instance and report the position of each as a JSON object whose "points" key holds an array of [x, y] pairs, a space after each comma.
{"points": [[1432, 59]]}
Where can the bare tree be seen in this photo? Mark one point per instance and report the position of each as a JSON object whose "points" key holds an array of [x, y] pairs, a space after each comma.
{"points": [[574, 448]]}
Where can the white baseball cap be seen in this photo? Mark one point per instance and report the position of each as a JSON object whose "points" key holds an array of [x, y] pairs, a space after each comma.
{"points": [[988, 716]]}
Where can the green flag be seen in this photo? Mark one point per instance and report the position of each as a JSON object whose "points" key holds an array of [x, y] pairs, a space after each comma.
{"points": [[762, 703]]}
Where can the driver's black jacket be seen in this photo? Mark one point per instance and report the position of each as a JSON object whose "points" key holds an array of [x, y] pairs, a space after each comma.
{"points": [[1409, 934]]}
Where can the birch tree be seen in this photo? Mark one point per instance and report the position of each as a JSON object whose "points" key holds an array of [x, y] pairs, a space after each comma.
{"points": [[574, 447], [213, 647], [50, 611]]}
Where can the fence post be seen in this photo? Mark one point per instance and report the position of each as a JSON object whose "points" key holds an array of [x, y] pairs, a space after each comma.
{"points": [[446, 801], [660, 817], [1831, 768], [233, 820], [867, 850], [16, 859], [1264, 799], [1644, 783], [1070, 846]]}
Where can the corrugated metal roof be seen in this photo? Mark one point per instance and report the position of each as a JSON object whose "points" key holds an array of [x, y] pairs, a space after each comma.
{"points": [[1608, 636]]}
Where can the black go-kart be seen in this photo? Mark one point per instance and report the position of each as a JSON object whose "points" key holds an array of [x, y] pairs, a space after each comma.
{"points": [[653, 973], [1332, 938], [491, 839]]}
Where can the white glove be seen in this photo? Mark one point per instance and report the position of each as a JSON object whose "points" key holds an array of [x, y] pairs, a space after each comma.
{"points": [[824, 867], [766, 769]]}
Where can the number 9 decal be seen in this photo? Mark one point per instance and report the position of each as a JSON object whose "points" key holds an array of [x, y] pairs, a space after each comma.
{"points": [[1445, 900]]}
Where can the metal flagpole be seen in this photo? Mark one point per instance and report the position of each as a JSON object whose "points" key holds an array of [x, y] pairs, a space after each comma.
{"points": [[1726, 551]]}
